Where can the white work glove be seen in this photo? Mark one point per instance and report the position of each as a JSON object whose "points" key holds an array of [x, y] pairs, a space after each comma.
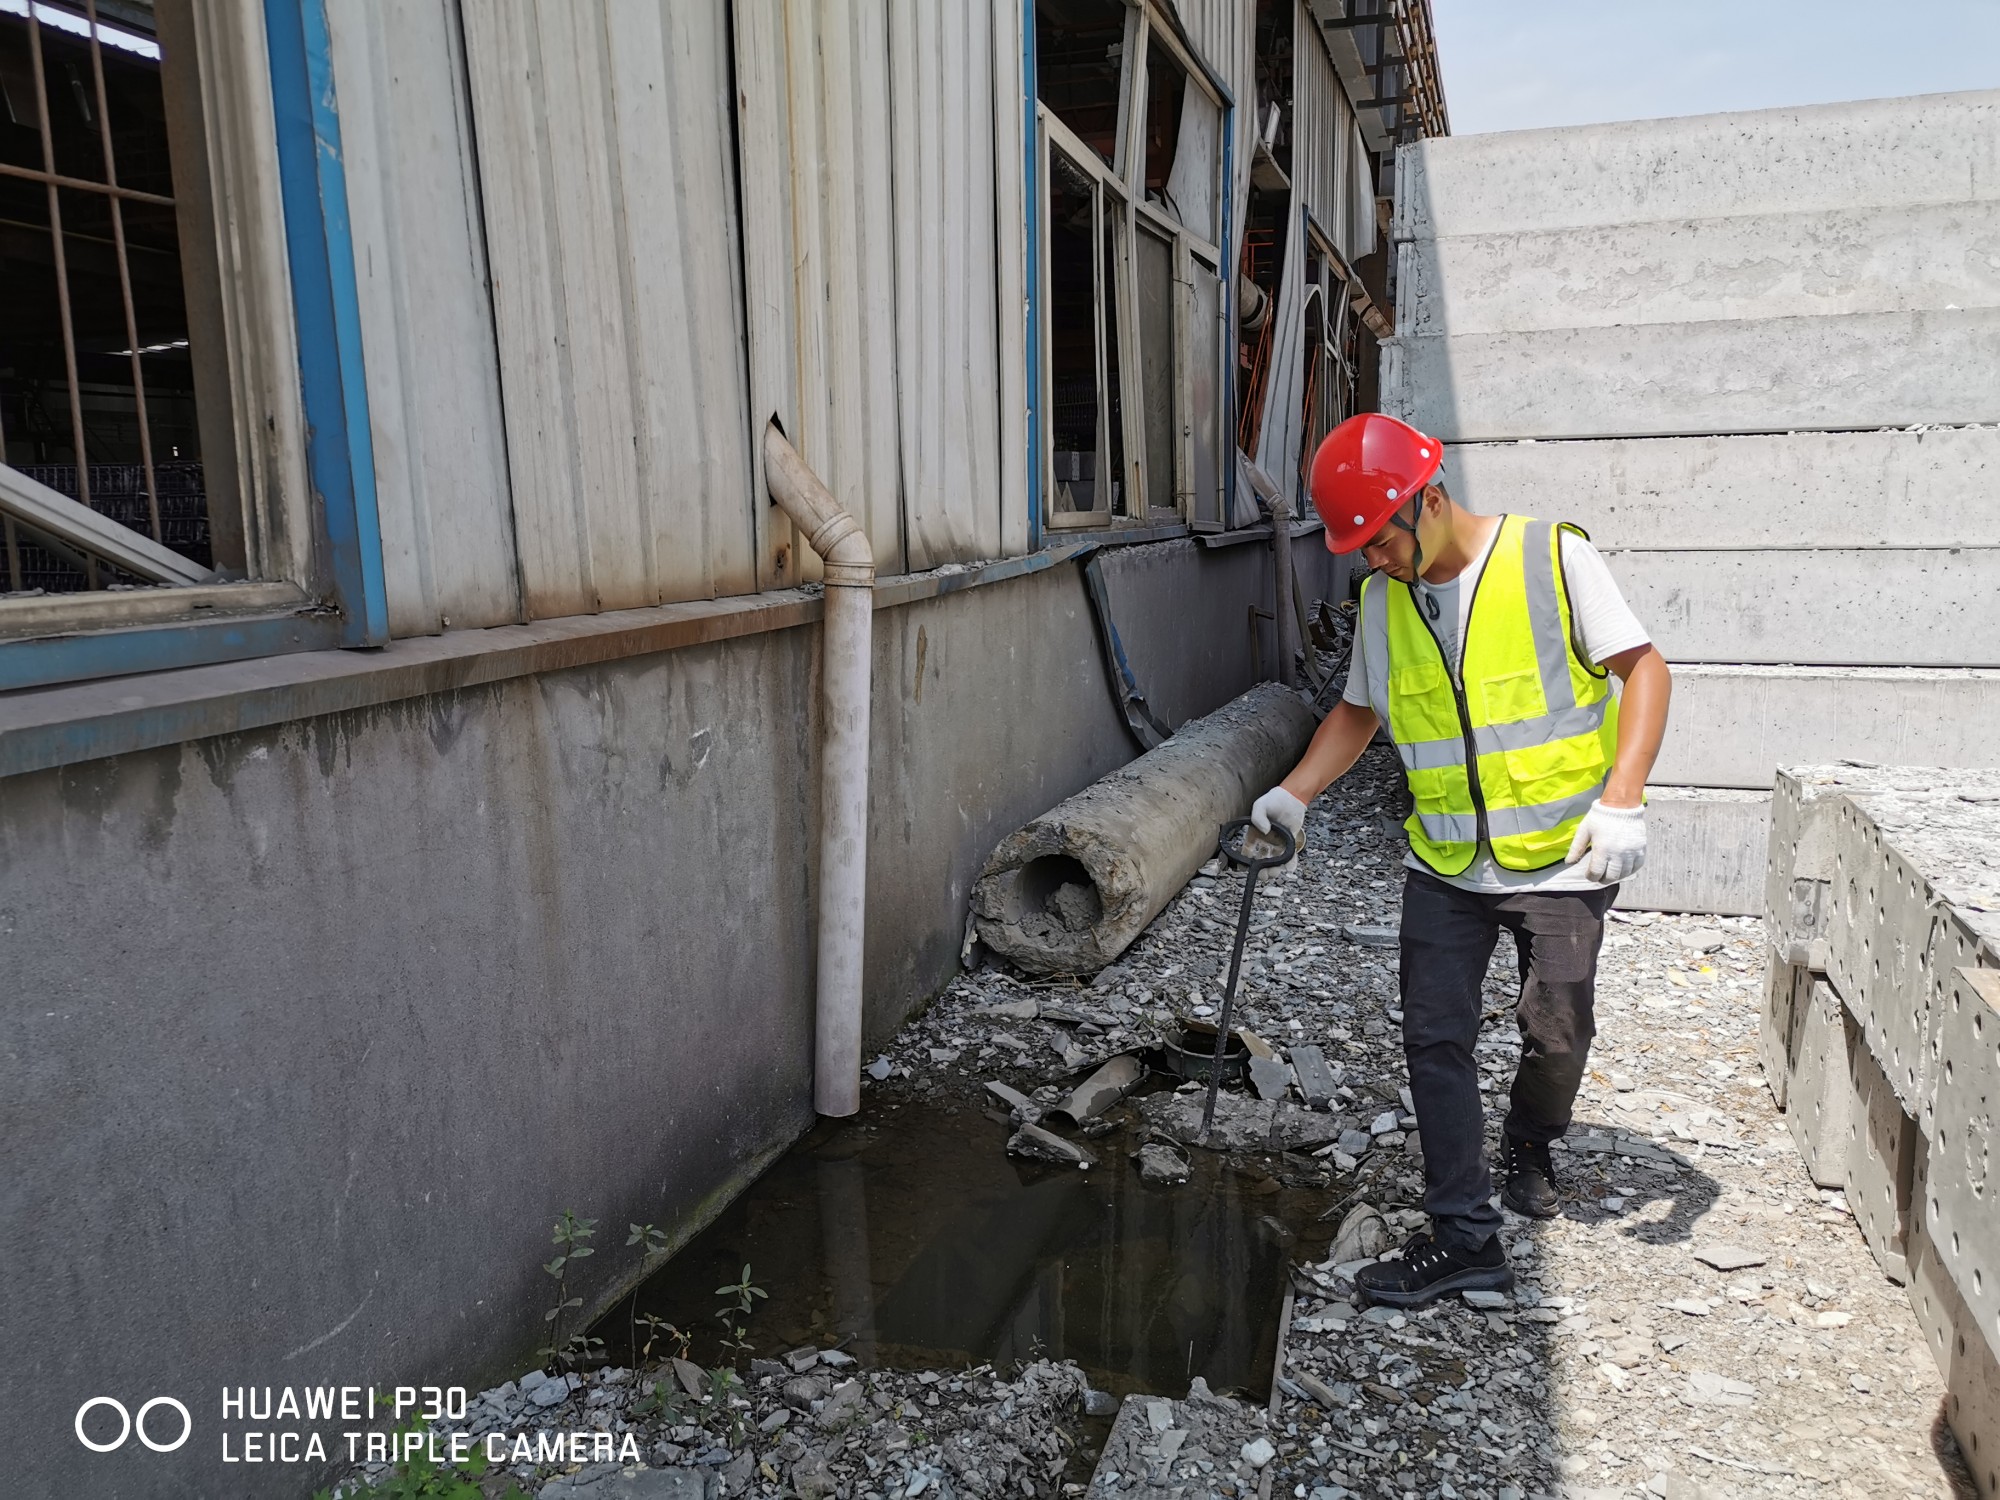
{"points": [[1281, 807], [1615, 838], [1287, 812]]}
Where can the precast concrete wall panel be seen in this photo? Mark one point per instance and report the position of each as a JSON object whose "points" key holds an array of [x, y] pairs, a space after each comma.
{"points": [[1746, 721], [1859, 370], [1848, 260], [1892, 488], [1889, 153], [1860, 608], [1704, 852]]}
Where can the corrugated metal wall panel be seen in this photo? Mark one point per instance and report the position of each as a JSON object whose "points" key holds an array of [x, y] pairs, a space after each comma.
{"points": [[1010, 125], [604, 154], [813, 93], [1329, 164], [1284, 393], [426, 320], [947, 340]]}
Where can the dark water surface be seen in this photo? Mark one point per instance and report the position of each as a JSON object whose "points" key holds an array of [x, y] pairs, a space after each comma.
{"points": [[908, 1235]]}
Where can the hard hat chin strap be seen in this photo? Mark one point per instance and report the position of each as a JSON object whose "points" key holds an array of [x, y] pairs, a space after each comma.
{"points": [[1417, 561]]}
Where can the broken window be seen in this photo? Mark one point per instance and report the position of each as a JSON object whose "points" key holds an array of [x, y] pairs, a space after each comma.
{"points": [[103, 478], [1080, 68], [1330, 352], [1131, 165], [1085, 415]]}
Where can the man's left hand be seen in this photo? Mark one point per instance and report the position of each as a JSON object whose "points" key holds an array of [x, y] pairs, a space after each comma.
{"points": [[1611, 841]]}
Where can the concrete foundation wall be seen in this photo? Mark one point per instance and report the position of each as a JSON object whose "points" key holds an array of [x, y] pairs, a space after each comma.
{"points": [[310, 1031]]}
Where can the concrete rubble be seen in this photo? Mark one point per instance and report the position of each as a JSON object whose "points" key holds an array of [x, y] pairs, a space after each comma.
{"points": [[1704, 1320], [813, 1427]]}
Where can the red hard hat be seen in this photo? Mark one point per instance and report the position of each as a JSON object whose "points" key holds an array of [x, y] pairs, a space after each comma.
{"points": [[1365, 470]]}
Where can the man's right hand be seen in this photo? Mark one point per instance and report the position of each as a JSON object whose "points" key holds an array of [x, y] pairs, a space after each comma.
{"points": [[1281, 807]]}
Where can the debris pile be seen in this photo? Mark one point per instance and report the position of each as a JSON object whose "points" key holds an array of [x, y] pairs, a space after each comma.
{"points": [[813, 1425]]}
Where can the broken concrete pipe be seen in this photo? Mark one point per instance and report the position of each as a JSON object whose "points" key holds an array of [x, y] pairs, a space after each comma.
{"points": [[845, 686], [1069, 892]]}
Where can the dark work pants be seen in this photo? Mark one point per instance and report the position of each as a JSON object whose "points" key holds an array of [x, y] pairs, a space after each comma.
{"points": [[1447, 943]]}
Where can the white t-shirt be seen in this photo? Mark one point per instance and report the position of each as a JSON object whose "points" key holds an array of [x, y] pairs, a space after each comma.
{"points": [[1605, 626]]}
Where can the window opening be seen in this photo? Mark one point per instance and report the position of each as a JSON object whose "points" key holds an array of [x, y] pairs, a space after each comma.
{"points": [[1153, 269], [97, 357], [1080, 68], [1074, 410], [1183, 144], [1110, 232], [1204, 399]]}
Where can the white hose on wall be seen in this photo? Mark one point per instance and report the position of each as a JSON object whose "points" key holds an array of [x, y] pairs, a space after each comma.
{"points": [[845, 690]]}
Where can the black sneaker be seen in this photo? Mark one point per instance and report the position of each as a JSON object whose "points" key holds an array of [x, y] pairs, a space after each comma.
{"points": [[1429, 1271], [1531, 1180]]}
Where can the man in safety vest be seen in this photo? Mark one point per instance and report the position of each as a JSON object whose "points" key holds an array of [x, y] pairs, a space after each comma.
{"points": [[1483, 647]]}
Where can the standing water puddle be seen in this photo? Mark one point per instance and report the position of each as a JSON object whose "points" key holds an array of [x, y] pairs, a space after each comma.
{"points": [[910, 1238]]}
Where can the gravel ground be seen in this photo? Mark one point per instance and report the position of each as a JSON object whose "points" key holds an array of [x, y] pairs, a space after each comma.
{"points": [[1702, 1321]]}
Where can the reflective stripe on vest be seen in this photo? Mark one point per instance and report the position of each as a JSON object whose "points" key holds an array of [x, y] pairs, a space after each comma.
{"points": [[1543, 724]]}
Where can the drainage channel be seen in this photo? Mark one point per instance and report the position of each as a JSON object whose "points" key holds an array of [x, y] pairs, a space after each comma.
{"points": [[907, 1237]]}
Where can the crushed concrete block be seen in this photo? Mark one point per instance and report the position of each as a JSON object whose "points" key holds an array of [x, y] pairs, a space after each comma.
{"points": [[1037, 1144], [1317, 1080], [1821, 1095], [1787, 991], [1881, 1156]]}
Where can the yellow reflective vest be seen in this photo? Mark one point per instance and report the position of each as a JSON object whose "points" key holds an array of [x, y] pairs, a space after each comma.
{"points": [[1526, 708]]}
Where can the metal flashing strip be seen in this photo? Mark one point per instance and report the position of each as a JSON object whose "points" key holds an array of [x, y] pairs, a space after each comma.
{"points": [[1031, 200], [50, 726], [109, 655], [320, 247]]}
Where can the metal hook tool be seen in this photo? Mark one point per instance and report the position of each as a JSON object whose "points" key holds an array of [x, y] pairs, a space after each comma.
{"points": [[1252, 864]]}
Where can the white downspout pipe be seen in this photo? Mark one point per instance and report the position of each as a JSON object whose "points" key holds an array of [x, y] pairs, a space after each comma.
{"points": [[845, 687]]}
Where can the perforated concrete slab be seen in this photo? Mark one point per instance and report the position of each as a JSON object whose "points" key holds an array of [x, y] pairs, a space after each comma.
{"points": [[1963, 1350], [1963, 1168], [1916, 894], [1830, 489]]}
